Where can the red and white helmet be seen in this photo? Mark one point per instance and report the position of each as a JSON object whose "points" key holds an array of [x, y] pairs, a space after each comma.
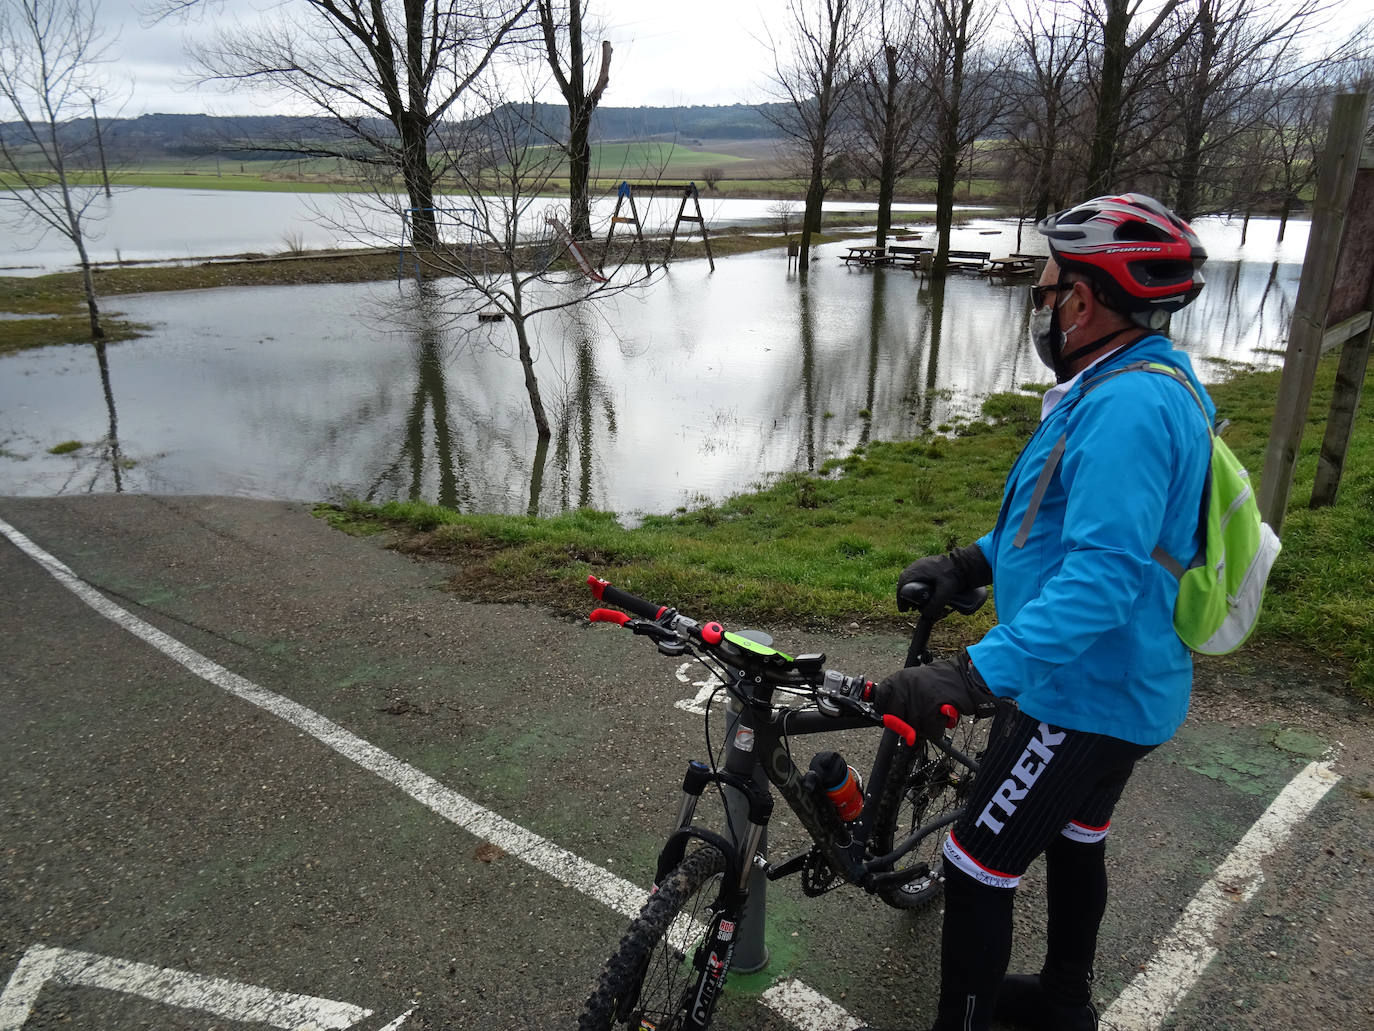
{"points": [[1143, 257]]}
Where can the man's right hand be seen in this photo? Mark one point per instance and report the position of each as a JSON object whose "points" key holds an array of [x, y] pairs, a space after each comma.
{"points": [[961, 570]]}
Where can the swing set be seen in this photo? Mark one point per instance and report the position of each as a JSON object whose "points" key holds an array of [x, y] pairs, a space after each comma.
{"points": [[626, 192]]}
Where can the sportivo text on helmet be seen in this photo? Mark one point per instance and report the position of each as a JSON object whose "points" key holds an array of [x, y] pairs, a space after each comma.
{"points": [[1143, 257]]}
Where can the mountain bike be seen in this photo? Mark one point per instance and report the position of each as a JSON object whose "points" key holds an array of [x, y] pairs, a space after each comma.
{"points": [[668, 971]]}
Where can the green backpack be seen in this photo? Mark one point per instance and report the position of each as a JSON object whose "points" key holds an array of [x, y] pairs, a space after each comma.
{"points": [[1220, 589]]}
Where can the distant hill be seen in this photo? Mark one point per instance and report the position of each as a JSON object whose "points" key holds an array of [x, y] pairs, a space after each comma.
{"points": [[164, 136]]}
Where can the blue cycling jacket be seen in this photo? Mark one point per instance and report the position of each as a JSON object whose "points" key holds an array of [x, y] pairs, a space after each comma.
{"points": [[1085, 636]]}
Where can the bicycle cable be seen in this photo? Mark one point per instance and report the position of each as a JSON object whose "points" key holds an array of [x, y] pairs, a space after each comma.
{"points": [[710, 752]]}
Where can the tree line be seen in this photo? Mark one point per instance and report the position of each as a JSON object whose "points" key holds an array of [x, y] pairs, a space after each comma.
{"points": [[1210, 105]]}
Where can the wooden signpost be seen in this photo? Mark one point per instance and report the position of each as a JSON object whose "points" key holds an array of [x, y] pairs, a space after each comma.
{"points": [[1338, 251]]}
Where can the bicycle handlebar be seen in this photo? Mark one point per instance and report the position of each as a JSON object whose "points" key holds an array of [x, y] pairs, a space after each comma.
{"points": [[603, 591], [663, 623]]}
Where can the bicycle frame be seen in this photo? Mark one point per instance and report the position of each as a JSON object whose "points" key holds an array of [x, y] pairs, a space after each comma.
{"points": [[756, 759], [757, 738]]}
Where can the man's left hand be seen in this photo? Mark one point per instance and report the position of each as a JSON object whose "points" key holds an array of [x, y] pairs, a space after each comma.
{"points": [[917, 693]]}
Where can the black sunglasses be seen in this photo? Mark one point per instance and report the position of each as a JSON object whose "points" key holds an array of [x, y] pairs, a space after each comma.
{"points": [[1040, 294]]}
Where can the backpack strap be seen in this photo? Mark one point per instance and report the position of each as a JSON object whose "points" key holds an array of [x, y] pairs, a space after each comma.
{"points": [[1042, 483]]}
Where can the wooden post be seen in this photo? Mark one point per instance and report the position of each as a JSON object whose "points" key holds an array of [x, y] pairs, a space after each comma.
{"points": [[1344, 141], [1340, 422]]}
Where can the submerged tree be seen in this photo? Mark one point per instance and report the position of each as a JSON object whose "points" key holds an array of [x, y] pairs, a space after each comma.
{"points": [[955, 73], [503, 249], [1042, 96], [812, 75], [50, 57], [886, 110]]}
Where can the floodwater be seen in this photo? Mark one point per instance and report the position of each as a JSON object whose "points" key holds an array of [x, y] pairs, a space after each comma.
{"points": [[700, 385], [146, 225]]}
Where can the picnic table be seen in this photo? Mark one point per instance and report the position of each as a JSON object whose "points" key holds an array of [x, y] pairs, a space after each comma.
{"points": [[1012, 265], [867, 256]]}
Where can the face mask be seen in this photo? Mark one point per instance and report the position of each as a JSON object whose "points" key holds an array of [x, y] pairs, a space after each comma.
{"points": [[1041, 331]]}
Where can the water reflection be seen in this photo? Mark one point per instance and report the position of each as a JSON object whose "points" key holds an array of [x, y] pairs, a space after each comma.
{"points": [[574, 424], [697, 387], [430, 442]]}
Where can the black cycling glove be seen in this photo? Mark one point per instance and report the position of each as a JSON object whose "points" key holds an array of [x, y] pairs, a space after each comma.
{"points": [[915, 694], [961, 570]]}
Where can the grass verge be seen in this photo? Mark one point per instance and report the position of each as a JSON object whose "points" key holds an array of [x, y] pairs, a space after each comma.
{"points": [[825, 550]]}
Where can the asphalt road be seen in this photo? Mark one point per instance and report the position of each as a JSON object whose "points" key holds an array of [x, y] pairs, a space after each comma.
{"points": [[164, 834]]}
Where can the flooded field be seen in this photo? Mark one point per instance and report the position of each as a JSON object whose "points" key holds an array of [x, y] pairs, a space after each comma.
{"points": [[697, 386]]}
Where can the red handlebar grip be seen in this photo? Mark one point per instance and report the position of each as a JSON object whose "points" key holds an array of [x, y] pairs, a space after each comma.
{"points": [[901, 728], [602, 590], [609, 616], [951, 715]]}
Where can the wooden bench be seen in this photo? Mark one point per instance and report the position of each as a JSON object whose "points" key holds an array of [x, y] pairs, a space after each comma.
{"points": [[971, 260], [907, 257]]}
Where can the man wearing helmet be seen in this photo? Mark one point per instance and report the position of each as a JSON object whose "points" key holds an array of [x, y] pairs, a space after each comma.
{"points": [[1108, 488]]}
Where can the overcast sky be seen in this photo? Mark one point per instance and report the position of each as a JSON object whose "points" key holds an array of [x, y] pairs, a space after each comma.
{"points": [[666, 53], [699, 52]]}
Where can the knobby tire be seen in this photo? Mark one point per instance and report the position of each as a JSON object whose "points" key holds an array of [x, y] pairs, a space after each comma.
{"points": [[924, 784], [649, 975]]}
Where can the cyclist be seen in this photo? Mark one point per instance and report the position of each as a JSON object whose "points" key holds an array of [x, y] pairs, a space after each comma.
{"points": [[1084, 645]]}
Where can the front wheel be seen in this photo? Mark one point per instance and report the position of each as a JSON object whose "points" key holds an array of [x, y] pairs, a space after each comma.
{"points": [[647, 983], [924, 785]]}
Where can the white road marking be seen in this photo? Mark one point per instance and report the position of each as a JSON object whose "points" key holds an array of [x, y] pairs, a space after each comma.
{"points": [[805, 1008], [612, 891], [705, 689], [228, 1000], [1194, 942], [1149, 998]]}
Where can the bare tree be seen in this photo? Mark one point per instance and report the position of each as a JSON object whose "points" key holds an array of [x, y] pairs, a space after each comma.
{"points": [[50, 57], [1132, 53], [956, 73], [1224, 72], [561, 25], [812, 76], [886, 110], [387, 73], [505, 248], [1043, 94]]}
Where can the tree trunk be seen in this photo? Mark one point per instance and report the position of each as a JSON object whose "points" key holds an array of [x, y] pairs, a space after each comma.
{"points": [[1107, 122], [887, 172], [811, 217], [541, 419], [948, 171], [419, 181], [579, 171]]}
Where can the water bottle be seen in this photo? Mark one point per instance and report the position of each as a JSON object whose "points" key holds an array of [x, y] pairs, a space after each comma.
{"points": [[843, 785]]}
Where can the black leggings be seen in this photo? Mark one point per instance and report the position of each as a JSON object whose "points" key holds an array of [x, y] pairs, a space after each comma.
{"points": [[1039, 789]]}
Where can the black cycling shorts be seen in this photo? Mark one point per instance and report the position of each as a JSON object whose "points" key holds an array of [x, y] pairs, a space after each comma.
{"points": [[1036, 781]]}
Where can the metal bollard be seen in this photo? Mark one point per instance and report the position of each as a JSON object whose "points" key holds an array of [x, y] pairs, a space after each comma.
{"points": [[751, 953]]}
